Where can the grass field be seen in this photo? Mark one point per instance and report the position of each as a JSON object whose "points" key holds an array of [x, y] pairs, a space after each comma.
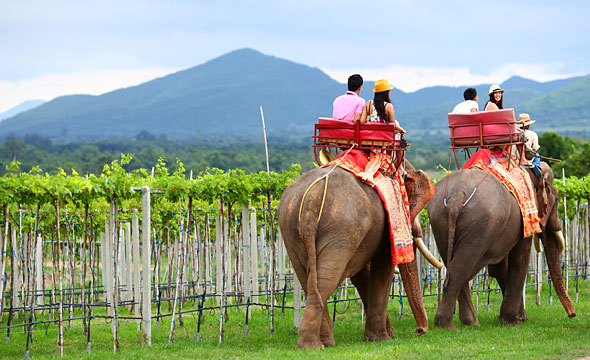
{"points": [[548, 334]]}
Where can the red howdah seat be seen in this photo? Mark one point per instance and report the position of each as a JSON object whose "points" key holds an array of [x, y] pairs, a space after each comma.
{"points": [[337, 135], [483, 128]]}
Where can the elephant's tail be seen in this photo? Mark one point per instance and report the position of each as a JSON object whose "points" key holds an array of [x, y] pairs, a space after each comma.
{"points": [[452, 216], [308, 228]]}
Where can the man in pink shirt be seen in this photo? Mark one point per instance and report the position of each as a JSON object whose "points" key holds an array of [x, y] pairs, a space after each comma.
{"points": [[350, 105]]}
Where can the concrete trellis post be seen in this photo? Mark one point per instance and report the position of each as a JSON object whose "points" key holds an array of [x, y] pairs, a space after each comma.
{"points": [[254, 254], [246, 253], [218, 259], [39, 270], [136, 268], [128, 263], [281, 260], [146, 271], [296, 301]]}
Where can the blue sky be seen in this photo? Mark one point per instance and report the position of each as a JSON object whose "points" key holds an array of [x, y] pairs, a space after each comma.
{"points": [[58, 47]]}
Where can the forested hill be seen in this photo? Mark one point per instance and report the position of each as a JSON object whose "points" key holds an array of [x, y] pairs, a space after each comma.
{"points": [[223, 97]]}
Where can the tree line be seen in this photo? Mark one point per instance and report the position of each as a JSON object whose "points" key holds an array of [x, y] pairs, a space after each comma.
{"points": [[430, 152]]}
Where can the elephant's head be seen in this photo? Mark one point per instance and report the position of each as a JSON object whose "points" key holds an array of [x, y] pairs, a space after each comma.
{"points": [[420, 190], [547, 204], [547, 198]]}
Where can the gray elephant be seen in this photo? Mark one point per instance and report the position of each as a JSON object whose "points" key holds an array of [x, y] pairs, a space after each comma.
{"points": [[486, 228], [349, 240]]}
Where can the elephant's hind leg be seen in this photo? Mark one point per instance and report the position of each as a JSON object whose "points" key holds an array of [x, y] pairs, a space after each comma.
{"points": [[466, 309]]}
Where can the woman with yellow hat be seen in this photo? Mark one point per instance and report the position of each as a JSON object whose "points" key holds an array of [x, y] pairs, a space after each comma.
{"points": [[380, 109], [496, 98]]}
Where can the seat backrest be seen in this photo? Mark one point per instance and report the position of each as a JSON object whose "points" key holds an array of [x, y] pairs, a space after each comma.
{"points": [[377, 131], [335, 129], [498, 116], [496, 125]]}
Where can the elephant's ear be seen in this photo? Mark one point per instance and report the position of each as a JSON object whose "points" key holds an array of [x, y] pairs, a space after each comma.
{"points": [[420, 190], [544, 193]]}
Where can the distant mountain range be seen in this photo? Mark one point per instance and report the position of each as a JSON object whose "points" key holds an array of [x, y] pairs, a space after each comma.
{"points": [[222, 97], [24, 106]]}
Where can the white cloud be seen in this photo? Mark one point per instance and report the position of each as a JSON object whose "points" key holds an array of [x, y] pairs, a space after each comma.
{"points": [[412, 78], [50, 86]]}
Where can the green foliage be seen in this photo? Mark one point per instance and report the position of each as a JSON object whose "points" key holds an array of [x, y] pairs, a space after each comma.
{"points": [[575, 155]]}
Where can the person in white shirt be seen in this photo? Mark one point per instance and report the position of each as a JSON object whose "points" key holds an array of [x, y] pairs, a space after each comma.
{"points": [[469, 105]]}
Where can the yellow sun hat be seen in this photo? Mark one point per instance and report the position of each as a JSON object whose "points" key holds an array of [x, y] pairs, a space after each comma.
{"points": [[495, 88], [382, 85]]}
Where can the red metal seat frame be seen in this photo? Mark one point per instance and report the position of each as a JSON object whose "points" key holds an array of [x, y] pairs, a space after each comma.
{"points": [[490, 129], [338, 135]]}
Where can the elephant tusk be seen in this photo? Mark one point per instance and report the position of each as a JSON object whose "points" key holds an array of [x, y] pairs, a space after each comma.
{"points": [[560, 241], [537, 243], [427, 255]]}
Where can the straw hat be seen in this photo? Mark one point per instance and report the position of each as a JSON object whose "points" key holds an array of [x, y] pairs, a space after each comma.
{"points": [[382, 85], [525, 120], [495, 88]]}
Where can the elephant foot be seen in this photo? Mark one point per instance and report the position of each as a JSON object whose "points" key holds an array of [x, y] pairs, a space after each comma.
{"points": [[309, 344], [470, 321], [444, 323], [328, 341], [309, 341], [509, 320], [390, 331], [377, 336], [522, 316]]}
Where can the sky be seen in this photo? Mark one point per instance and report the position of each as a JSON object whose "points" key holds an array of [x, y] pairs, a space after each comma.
{"points": [[54, 48]]}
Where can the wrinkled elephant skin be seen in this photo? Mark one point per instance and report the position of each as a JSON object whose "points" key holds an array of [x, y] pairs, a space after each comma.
{"points": [[487, 230], [351, 240]]}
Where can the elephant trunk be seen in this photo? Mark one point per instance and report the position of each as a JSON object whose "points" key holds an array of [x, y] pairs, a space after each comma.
{"points": [[550, 243], [427, 255], [409, 272]]}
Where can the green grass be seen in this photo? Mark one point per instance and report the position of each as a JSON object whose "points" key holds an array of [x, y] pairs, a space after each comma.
{"points": [[548, 334]]}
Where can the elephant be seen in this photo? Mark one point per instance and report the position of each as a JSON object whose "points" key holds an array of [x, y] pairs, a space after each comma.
{"points": [[349, 240], [485, 227]]}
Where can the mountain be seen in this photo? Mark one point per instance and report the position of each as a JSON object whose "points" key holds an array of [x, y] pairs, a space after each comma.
{"points": [[222, 97], [24, 106]]}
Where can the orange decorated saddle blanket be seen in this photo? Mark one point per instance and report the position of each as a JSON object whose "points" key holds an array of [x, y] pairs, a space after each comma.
{"points": [[516, 180], [392, 192]]}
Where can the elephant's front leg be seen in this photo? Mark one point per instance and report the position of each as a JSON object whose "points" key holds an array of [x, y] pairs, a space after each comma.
{"points": [[518, 262], [499, 271]]}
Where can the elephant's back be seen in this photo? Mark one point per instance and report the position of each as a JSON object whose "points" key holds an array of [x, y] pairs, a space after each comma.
{"points": [[479, 198]]}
